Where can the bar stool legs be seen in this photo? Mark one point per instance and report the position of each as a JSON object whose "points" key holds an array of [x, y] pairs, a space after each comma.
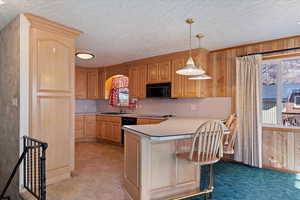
{"points": [[206, 181]]}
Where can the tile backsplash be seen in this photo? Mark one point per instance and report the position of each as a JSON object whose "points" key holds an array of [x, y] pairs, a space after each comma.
{"points": [[194, 107], [85, 106]]}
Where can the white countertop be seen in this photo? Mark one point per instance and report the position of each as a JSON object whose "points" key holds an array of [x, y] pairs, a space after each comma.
{"points": [[149, 116], [171, 129]]}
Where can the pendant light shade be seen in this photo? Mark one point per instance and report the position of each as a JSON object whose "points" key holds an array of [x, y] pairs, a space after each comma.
{"points": [[200, 77], [190, 68]]}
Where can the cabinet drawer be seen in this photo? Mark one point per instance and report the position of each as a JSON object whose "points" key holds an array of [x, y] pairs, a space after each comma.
{"points": [[109, 118], [90, 118]]}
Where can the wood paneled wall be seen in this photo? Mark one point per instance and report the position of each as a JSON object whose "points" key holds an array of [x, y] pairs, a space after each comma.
{"points": [[222, 63]]}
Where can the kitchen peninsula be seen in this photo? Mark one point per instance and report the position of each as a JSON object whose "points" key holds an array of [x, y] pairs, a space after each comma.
{"points": [[151, 169]]}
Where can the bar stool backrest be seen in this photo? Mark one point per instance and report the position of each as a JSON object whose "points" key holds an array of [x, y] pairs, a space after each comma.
{"points": [[207, 143], [229, 139], [230, 119]]}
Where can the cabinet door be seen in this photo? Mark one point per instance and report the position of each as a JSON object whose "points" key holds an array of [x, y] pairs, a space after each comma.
{"points": [[116, 132], [107, 129], [92, 84], [142, 81], [90, 126], [178, 81], [52, 100], [164, 71], [137, 81], [99, 129], [133, 82], [102, 78], [153, 73], [80, 83], [79, 127]]}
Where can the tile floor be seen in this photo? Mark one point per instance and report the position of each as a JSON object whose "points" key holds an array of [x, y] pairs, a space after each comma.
{"points": [[97, 175]]}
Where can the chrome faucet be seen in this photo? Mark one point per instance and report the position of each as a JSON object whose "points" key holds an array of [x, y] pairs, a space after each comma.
{"points": [[122, 110]]}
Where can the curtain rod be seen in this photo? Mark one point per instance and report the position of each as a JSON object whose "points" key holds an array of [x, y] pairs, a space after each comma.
{"points": [[270, 52]]}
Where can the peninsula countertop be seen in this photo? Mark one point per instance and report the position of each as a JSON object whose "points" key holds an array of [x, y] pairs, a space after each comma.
{"points": [[171, 129]]}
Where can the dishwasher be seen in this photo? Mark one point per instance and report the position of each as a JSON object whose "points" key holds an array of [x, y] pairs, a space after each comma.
{"points": [[127, 121]]}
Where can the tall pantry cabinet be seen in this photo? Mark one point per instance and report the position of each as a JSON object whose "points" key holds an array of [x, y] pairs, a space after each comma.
{"points": [[51, 86]]}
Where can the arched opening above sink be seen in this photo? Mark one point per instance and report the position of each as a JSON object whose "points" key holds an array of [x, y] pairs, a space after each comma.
{"points": [[117, 91]]}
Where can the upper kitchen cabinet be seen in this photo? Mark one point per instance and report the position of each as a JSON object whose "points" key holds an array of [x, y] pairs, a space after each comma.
{"points": [[101, 79], [137, 81], [51, 86], [159, 72], [92, 84], [89, 83], [80, 83]]}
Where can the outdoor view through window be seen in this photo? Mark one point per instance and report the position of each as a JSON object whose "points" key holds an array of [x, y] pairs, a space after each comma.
{"points": [[281, 92]]}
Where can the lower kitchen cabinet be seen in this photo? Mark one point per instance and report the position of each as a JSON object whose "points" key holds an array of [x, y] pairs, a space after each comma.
{"points": [[79, 127], [109, 128], [90, 126], [85, 127], [103, 127]]}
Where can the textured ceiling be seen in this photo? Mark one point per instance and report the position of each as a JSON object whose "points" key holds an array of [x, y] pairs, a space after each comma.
{"points": [[121, 30]]}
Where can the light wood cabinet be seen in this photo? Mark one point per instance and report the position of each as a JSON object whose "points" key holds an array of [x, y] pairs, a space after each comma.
{"points": [[159, 72], [137, 81], [85, 127], [182, 87], [109, 128], [80, 83], [79, 127], [51, 86], [92, 84], [90, 126], [102, 79], [141, 121]]}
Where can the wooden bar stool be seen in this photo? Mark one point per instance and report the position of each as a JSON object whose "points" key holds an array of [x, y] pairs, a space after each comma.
{"points": [[229, 139], [206, 149]]}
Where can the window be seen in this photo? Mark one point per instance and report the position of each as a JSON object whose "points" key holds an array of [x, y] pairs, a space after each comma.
{"points": [[281, 92], [297, 102]]}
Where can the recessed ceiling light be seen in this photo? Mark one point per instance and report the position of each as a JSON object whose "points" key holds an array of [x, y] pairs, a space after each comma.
{"points": [[84, 55], [298, 22], [2, 2]]}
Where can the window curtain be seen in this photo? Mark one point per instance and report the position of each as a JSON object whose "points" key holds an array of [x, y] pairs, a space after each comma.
{"points": [[249, 138], [118, 84]]}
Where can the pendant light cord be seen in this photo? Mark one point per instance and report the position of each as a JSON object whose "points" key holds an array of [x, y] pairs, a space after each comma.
{"points": [[190, 39]]}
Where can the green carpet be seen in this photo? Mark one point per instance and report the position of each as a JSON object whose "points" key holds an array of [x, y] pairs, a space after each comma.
{"points": [[239, 182]]}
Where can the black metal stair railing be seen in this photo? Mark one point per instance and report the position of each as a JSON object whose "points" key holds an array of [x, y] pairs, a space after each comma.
{"points": [[34, 168]]}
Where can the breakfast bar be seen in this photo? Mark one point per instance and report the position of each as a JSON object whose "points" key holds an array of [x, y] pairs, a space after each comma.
{"points": [[151, 169]]}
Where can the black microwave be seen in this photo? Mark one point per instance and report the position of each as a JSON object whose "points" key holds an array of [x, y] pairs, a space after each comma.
{"points": [[159, 90]]}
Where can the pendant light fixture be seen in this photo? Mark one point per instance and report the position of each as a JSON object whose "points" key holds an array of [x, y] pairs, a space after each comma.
{"points": [[190, 68], [201, 76]]}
